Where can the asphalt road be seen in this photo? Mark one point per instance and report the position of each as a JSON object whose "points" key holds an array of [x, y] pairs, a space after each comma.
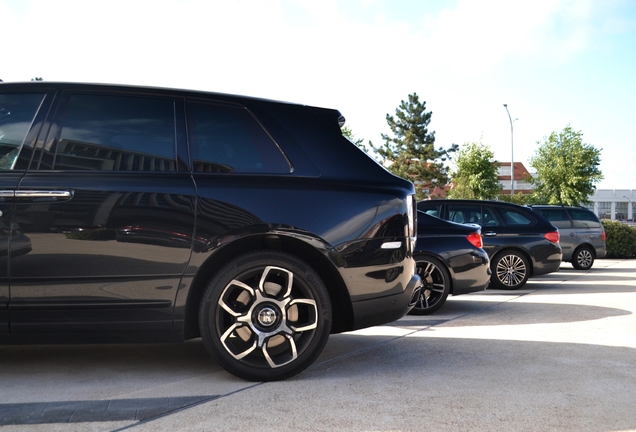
{"points": [[559, 355]]}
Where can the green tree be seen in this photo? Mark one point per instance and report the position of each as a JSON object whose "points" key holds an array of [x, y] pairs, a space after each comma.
{"points": [[348, 133], [475, 173], [37, 79], [411, 152], [567, 169]]}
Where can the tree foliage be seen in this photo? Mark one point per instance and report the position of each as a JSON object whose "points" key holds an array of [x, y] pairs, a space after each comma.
{"points": [[567, 169], [410, 153], [475, 175], [621, 239], [348, 133]]}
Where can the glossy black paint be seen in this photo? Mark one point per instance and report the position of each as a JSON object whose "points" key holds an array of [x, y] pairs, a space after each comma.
{"points": [[446, 241], [128, 254], [544, 256]]}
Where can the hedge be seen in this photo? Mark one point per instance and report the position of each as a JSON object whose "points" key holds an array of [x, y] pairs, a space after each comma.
{"points": [[621, 239]]}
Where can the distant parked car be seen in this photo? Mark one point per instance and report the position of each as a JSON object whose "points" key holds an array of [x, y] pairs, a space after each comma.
{"points": [[582, 233], [519, 241], [450, 260]]}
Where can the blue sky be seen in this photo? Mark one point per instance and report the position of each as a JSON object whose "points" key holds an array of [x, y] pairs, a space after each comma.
{"points": [[554, 62]]}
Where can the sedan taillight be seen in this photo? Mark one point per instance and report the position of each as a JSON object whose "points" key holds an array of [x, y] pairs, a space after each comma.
{"points": [[553, 236], [476, 240]]}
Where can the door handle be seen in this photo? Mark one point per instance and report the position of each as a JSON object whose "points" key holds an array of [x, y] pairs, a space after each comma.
{"points": [[489, 234]]}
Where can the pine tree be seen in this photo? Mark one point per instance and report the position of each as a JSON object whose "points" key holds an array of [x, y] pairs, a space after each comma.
{"points": [[411, 152]]}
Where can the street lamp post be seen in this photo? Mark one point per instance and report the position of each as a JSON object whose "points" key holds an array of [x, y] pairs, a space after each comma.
{"points": [[512, 152]]}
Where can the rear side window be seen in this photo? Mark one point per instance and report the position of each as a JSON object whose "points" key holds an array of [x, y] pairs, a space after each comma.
{"points": [[227, 139], [430, 208], [514, 217], [109, 132], [558, 217], [464, 214], [584, 219], [17, 112]]}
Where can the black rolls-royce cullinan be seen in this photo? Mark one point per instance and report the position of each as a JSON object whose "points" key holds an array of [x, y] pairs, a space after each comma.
{"points": [[148, 214]]}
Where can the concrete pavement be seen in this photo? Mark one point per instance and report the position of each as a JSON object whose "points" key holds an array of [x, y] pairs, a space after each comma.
{"points": [[557, 355]]}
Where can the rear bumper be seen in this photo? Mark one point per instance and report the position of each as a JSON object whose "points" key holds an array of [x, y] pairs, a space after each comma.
{"points": [[368, 313], [548, 265], [472, 278]]}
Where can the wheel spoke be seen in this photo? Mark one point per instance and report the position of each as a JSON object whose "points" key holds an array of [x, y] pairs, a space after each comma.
{"points": [[311, 312], [292, 353], [236, 297], [437, 287], [264, 285], [228, 335]]}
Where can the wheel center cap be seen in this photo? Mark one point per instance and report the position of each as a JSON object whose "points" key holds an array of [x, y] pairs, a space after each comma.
{"points": [[267, 317]]}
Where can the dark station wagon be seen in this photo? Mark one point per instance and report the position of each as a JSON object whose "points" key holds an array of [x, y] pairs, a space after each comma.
{"points": [[520, 242], [143, 214]]}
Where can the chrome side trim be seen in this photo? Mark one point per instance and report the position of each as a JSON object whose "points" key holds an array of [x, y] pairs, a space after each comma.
{"points": [[43, 194]]}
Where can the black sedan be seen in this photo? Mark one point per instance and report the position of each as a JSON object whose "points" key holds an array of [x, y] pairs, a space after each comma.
{"points": [[520, 242], [449, 260]]}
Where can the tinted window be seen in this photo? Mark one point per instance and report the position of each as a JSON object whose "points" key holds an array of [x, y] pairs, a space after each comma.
{"points": [[103, 132], [16, 115], [471, 213], [229, 139], [584, 219], [430, 208], [514, 218], [489, 218], [557, 216]]}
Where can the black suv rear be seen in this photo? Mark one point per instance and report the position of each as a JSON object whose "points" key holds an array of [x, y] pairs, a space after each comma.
{"points": [[145, 214]]}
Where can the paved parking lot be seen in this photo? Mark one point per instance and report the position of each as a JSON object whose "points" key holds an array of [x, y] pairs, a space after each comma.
{"points": [[557, 355]]}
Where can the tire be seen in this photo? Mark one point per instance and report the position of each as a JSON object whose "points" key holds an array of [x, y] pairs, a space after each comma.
{"points": [[510, 270], [265, 316], [435, 286], [583, 258]]}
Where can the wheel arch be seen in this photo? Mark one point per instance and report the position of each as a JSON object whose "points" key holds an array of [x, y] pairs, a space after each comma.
{"points": [[340, 301], [586, 245]]}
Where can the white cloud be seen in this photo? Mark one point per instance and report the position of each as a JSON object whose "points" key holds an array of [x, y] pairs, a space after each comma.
{"points": [[464, 59]]}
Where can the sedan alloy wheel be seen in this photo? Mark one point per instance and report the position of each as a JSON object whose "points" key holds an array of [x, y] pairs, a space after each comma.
{"points": [[510, 270], [435, 286]]}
